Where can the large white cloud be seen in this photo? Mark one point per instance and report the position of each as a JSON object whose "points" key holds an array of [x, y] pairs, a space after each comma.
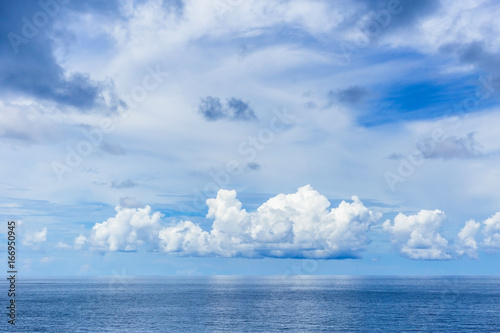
{"points": [[298, 225], [127, 231], [417, 236]]}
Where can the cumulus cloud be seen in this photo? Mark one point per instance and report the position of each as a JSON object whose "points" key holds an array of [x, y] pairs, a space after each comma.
{"points": [[298, 225], [467, 243], [417, 236], [185, 238], [128, 230], [467, 239], [33, 238], [79, 242], [491, 232], [234, 109]]}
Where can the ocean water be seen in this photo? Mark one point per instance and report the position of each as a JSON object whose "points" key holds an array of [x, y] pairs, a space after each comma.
{"points": [[257, 304]]}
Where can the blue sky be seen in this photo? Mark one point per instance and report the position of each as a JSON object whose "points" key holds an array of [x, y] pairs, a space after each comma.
{"points": [[251, 137]]}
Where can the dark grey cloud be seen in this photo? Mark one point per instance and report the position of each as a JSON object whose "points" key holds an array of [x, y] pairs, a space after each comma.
{"points": [[475, 53], [240, 110], [395, 156], [253, 166], [128, 183], [352, 95], [28, 66], [234, 109], [211, 108], [451, 147]]}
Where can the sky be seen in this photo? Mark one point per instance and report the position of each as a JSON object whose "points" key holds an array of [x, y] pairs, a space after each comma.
{"points": [[231, 137]]}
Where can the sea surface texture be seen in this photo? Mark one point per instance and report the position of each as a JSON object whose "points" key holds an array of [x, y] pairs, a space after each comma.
{"points": [[258, 304]]}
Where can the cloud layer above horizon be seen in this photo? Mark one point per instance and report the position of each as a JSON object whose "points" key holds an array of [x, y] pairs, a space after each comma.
{"points": [[298, 225]]}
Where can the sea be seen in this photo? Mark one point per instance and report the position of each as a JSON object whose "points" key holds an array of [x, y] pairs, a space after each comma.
{"points": [[256, 304]]}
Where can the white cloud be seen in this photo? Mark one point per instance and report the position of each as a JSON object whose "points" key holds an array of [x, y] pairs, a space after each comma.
{"points": [[79, 242], [467, 239], [186, 238], [491, 232], [294, 225], [298, 225], [34, 238], [127, 231], [64, 246], [417, 236]]}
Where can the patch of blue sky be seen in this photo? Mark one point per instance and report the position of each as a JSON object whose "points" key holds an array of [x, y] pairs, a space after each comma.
{"points": [[377, 54], [420, 101], [90, 45], [178, 213]]}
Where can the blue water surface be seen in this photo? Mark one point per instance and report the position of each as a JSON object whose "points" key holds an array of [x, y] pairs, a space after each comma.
{"points": [[257, 304]]}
